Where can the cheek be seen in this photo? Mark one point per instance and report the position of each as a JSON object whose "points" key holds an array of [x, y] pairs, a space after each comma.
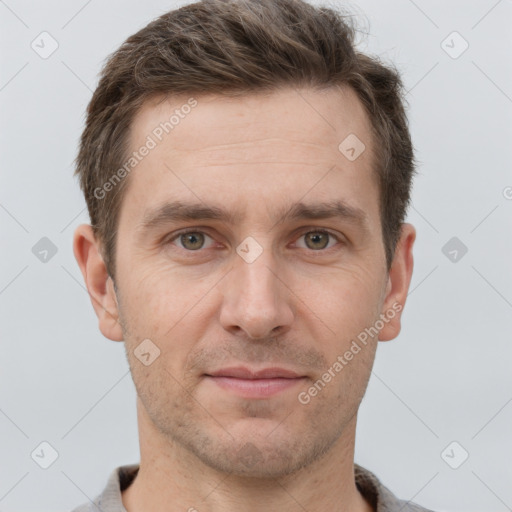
{"points": [[344, 301], [169, 307], [165, 294]]}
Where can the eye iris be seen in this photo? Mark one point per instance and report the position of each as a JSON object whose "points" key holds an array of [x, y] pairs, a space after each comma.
{"points": [[196, 240], [316, 237]]}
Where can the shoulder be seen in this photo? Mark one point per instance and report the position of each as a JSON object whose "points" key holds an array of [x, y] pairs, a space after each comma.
{"points": [[109, 500], [379, 496], [85, 507]]}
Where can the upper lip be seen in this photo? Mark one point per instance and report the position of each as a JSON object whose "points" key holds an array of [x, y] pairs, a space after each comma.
{"points": [[241, 372]]}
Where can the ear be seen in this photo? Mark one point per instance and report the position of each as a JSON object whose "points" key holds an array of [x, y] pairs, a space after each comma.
{"points": [[99, 284], [398, 284]]}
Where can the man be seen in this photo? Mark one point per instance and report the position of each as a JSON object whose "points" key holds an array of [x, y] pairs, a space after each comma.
{"points": [[247, 175]]}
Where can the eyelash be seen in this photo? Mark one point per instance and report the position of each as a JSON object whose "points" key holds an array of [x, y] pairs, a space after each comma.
{"points": [[319, 230]]}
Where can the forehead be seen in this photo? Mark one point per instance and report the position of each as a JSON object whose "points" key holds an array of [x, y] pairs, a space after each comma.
{"points": [[321, 119], [269, 146]]}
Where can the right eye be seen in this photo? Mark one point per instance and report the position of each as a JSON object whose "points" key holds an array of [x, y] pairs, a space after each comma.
{"points": [[190, 240]]}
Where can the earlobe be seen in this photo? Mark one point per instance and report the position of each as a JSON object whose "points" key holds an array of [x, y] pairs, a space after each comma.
{"points": [[398, 283], [99, 284]]}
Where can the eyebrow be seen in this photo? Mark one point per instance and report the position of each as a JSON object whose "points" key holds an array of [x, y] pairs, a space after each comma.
{"points": [[178, 211]]}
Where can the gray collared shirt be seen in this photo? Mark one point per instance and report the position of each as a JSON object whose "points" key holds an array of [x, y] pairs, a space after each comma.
{"points": [[381, 498]]}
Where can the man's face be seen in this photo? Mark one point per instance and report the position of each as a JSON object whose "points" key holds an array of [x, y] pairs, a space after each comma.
{"points": [[257, 290]]}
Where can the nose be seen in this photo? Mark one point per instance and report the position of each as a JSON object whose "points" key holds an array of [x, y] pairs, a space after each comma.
{"points": [[255, 300]]}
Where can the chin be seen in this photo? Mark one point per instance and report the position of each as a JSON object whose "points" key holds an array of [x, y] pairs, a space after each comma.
{"points": [[261, 457]]}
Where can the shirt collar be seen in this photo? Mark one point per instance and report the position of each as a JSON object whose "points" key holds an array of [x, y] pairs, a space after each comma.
{"points": [[379, 496]]}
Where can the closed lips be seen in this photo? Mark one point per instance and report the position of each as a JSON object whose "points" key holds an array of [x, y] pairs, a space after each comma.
{"points": [[246, 373]]}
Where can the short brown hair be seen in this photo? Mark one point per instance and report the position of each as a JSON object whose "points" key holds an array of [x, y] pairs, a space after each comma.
{"points": [[236, 47]]}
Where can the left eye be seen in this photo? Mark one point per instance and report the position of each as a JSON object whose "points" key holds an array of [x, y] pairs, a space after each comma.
{"points": [[318, 240]]}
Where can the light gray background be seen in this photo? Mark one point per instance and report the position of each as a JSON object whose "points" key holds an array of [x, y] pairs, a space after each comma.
{"points": [[446, 378]]}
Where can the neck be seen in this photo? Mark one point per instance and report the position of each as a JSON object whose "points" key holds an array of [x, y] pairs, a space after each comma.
{"points": [[171, 479]]}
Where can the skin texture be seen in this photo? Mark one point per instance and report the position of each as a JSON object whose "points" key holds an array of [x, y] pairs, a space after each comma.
{"points": [[299, 305]]}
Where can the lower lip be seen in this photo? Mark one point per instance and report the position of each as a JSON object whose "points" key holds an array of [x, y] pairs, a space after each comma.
{"points": [[255, 388]]}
